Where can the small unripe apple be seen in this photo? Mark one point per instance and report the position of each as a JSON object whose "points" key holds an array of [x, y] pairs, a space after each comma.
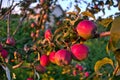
{"points": [[86, 74], [32, 34], [42, 1], [52, 57], [86, 29], [74, 72], [79, 51], [4, 53], [30, 79], [37, 35], [48, 34], [44, 60], [45, 16], [40, 68], [33, 24], [63, 57], [10, 41]]}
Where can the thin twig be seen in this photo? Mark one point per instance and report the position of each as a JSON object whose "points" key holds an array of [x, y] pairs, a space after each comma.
{"points": [[8, 26], [20, 23], [18, 65], [9, 10], [104, 34]]}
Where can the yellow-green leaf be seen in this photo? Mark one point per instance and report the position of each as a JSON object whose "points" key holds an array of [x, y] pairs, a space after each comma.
{"points": [[106, 22], [102, 62], [89, 14], [110, 47], [115, 33]]}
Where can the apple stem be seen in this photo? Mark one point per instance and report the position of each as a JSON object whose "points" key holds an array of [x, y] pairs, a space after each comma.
{"points": [[8, 26]]}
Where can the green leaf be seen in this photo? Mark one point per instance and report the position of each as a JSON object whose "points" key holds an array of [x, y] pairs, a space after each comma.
{"points": [[115, 33], [102, 62], [89, 14]]}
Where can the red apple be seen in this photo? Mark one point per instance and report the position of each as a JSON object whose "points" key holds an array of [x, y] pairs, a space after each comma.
{"points": [[86, 29], [52, 57], [63, 57], [40, 68], [48, 34], [74, 73], [79, 51], [79, 67], [86, 74], [4, 53], [30, 79], [44, 60], [10, 41]]}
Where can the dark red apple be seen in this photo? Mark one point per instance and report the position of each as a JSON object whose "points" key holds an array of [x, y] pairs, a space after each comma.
{"points": [[10, 41], [4, 53], [52, 57], [30, 79], [78, 67], [48, 34], [79, 51], [86, 29], [44, 60], [63, 57], [40, 68]]}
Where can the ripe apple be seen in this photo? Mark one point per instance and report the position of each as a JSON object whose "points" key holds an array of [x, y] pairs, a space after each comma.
{"points": [[52, 57], [44, 60], [86, 29], [10, 41], [30, 79], [63, 57], [40, 68], [86, 74], [4, 53], [48, 34], [79, 51], [79, 67]]}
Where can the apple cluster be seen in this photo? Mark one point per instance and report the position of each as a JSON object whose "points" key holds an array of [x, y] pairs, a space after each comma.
{"points": [[86, 29]]}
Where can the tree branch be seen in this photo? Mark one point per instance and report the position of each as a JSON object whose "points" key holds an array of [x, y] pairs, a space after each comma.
{"points": [[20, 23], [1, 4], [102, 34]]}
